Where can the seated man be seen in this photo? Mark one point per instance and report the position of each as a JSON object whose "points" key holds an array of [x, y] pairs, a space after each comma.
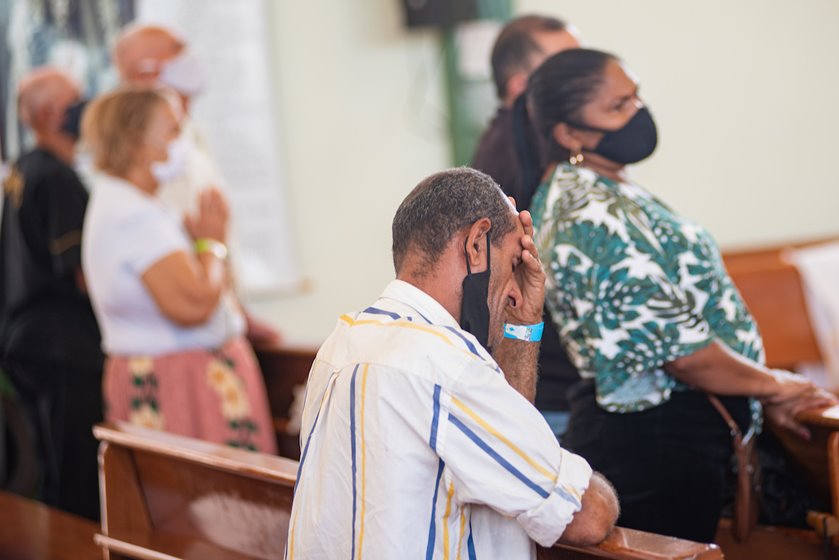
{"points": [[419, 440]]}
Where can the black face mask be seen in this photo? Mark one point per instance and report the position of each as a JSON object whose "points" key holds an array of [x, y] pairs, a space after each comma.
{"points": [[474, 308], [73, 119], [634, 141]]}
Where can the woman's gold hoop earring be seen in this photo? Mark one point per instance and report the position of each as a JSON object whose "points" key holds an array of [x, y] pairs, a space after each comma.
{"points": [[577, 158]]}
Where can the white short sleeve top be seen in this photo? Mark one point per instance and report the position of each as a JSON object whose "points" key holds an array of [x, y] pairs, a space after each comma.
{"points": [[126, 231]]}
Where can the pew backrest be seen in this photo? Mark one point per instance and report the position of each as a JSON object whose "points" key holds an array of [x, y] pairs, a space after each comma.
{"points": [[771, 287], [285, 369], [165, 496]]}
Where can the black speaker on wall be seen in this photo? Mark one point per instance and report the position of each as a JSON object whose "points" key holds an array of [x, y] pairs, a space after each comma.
{"points": [[439, 13]]}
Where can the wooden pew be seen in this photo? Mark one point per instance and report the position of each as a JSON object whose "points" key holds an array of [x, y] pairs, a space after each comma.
{"points": [[772, 288], [32, 531], [169, 497], [285, 368], [817, 461], [636, 545]]}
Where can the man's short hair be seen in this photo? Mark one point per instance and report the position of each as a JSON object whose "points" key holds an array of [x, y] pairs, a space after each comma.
{"points": [[515, 46], [442, 205]]}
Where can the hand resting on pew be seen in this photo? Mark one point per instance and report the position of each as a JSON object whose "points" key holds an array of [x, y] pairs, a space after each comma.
{"points": [[597, 517], [718, 370]]}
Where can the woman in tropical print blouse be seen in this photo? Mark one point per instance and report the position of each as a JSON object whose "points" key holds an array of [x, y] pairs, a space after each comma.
{"points": [[643, 305]]}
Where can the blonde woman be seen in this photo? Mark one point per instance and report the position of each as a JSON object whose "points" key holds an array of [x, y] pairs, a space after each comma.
{"points": [[173, 334]]}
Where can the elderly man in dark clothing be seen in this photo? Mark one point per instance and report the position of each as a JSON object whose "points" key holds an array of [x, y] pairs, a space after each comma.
{"points": [[49, 340]]}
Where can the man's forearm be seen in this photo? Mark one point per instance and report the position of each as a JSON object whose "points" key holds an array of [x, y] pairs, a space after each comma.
{"points": [[519, 360]]}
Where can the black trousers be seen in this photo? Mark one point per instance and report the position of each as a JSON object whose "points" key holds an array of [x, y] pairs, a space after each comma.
{"points": [[670, 464], [62, 405]]}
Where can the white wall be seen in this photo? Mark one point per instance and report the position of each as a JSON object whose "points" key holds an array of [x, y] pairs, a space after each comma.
{"points": [[746, 95], [361, 115]]}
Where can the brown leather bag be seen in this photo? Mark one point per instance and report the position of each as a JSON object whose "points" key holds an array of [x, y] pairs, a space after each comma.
{"points": [[747, 492]]}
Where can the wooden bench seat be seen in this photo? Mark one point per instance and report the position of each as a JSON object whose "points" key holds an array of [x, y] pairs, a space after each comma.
{"points": [[32, 531], [167, 497]]}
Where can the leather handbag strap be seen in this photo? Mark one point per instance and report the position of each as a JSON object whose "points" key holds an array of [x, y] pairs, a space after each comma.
{"points": [[732, 425], [746, 503]]}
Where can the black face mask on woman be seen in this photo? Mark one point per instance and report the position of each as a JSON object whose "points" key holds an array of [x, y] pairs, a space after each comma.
{"points": [[474, 307], [634, 141]]}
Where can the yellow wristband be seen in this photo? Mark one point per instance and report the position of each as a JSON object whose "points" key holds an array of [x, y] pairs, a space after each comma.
{"points": [[207, 245]]}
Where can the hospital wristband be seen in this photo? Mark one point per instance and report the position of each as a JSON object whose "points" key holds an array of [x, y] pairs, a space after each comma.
{"points": [[207, 245], [528, 333]]}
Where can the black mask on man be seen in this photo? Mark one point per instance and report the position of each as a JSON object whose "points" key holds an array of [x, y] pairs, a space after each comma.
{"points": [[634, 141], [72, 123], [474, 307]]}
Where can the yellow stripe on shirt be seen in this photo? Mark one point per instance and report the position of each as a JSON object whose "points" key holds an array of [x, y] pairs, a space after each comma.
{"points": [[363, 459], [446, 522], [462, 531], [407, 325], [551, 475]]}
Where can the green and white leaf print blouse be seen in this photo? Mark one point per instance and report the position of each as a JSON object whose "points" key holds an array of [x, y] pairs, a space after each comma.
{"points": [[631, 286]]}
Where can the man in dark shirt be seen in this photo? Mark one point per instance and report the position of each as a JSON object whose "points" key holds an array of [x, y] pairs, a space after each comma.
{"points": [[523, 44], [49, 340]]}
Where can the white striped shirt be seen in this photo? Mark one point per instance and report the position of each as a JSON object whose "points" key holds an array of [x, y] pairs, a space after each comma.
{"points": [[415, 446]]}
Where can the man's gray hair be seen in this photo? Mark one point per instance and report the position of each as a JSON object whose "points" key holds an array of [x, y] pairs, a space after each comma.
{"points": [[442, 205]]}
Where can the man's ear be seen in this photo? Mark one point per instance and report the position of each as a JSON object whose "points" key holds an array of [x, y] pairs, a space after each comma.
{"points": [[36, 118], [476, 244], [516, 85]]}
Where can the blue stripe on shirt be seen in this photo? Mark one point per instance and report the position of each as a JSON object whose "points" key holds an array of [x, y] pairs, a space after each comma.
{"points": [[352, 446], [566, 495], [498, 458], [306, 450], [470, 543], [432, 529], [432, 441], [466, 341], [377, 311], [396, 316]]}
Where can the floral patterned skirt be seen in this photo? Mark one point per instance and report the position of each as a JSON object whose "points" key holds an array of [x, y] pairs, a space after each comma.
{"points": [[213, 395]]}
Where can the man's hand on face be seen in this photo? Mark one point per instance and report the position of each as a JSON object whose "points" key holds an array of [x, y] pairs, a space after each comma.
{"points": [[530, 278]]}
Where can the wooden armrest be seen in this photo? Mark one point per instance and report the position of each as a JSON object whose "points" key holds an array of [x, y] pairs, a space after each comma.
{"points": [[629, 544], [822, 417], [247, 463]]}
